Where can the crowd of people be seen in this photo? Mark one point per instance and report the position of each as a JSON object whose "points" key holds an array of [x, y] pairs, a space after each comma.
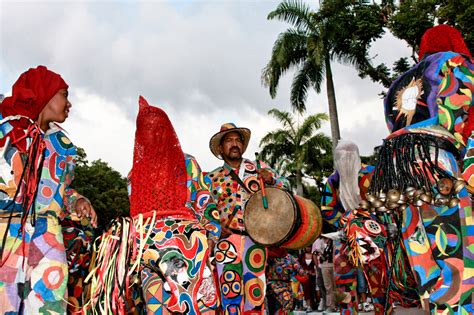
{"points": [[398, 232]]}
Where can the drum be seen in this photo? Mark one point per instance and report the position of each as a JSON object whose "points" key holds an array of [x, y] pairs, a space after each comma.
{"points": [[290, 221]]}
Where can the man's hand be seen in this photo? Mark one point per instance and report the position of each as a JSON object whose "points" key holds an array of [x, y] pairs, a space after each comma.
{"points": [[225, 232], [84, 209], [211, 244], [267, 176]]}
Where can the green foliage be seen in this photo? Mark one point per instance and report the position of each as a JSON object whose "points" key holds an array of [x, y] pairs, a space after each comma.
{"points": [[296, 147], [412, 19], [459, 13], [342, 30], [409, 20], [103, 186]]}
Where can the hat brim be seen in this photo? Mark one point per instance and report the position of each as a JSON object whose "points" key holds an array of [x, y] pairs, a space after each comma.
{"points": [[216, 139]]}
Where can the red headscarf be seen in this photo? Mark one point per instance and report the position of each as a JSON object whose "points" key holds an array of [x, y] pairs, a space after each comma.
{"points": [[442, 38], [30, 94], [158, 176]]}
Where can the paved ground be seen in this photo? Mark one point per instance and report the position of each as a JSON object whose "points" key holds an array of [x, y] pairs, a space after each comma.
{"points": [[398, 311]]}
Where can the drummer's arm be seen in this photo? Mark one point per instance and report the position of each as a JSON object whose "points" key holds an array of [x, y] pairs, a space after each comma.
{"points": [[278, 181]]}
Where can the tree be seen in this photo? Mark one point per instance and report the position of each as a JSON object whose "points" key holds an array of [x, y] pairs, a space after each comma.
{"points": [[293, 147], [314, 40], [409, 20], [103, 186]]}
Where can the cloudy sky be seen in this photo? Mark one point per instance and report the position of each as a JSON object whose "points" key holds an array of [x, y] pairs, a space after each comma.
{"points": [[200, 61]]}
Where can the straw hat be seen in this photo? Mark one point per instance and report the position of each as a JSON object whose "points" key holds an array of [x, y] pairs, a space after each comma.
{"points": [[216, 139]]}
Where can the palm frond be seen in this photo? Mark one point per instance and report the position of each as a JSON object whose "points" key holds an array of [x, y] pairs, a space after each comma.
{"points": [[285, 118], [297, 13], [289, 50], [309, 75], [310, 124]]}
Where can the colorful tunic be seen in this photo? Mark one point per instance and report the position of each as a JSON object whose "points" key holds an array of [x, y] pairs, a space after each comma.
{"points": [[332, 210], [434, 98], [240, 262], [280, 272], [345, 269], [33, 271], [175, 272]]}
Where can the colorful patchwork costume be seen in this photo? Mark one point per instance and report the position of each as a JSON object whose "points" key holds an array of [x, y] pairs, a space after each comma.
{"points": [[365, 245], [430, 114], [164, 248], [33, 267], [240, 262], [282, 268]]}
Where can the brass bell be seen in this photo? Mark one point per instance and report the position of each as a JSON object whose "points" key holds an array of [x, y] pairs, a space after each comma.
{"points": [[382, 209], [364, 204], [441, 201], [445, 186], [382, 196], [418, 202], [426, 197], [370, 198], [377, 203], [410, 191], [453, 202], [402, 200], [392, 205], [393, 195], [402, 207], [459, 185], [417, 193]]}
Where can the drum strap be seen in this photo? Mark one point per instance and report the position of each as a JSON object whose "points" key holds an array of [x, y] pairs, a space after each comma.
{"points": [[238, 180]]}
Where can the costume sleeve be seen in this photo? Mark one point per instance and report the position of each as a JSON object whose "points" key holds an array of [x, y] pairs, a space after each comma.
{"points": [[329, 203], [297, 269], [280, 181], [70, 196], [203, 203], [454, 101]]}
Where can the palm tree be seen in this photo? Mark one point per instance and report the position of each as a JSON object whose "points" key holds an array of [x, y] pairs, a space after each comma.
{"points": [[293, 147], [313, 41]]}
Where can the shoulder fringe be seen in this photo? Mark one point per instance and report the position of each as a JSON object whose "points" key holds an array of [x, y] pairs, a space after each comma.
{"points": [[116, 257]]}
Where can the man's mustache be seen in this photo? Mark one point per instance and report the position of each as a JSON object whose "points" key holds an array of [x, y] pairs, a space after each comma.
{"points": [[237, 148]]}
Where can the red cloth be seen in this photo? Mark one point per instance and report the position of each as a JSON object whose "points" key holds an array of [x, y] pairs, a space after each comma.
{"points": [[30, 94], [158, 177], [442, 38], [469, 125]]}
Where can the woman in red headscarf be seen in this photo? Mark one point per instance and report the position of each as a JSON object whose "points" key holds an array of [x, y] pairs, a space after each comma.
{"points": [[36, 164]]}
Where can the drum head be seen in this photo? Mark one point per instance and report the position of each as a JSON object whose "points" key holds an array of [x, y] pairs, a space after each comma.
{"points": [[270, 226]]}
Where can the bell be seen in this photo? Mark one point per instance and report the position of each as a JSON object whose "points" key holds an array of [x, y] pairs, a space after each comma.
{"points": [[382, 209], [393, 195], [445, 186], [370, 198], [402, 207], [417, 193], [426, 197], [459, 185], [377, 203], [409, 192], [441, 201], [453, 202], [418, 202], [382, 196], [402, 200], [364, 204], [392, 205]]}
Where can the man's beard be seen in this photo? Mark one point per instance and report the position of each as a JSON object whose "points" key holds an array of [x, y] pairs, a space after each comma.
{"points": [[234, 156]]}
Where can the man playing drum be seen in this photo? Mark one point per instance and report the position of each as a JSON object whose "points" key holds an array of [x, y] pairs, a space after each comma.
{"points": [[240, 262]]}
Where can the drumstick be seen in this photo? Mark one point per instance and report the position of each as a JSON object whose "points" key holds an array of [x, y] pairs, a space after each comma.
{"points": [[262, 184]]}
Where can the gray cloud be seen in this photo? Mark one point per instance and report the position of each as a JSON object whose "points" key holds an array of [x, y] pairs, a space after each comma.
{"points": [[200, 60]]}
